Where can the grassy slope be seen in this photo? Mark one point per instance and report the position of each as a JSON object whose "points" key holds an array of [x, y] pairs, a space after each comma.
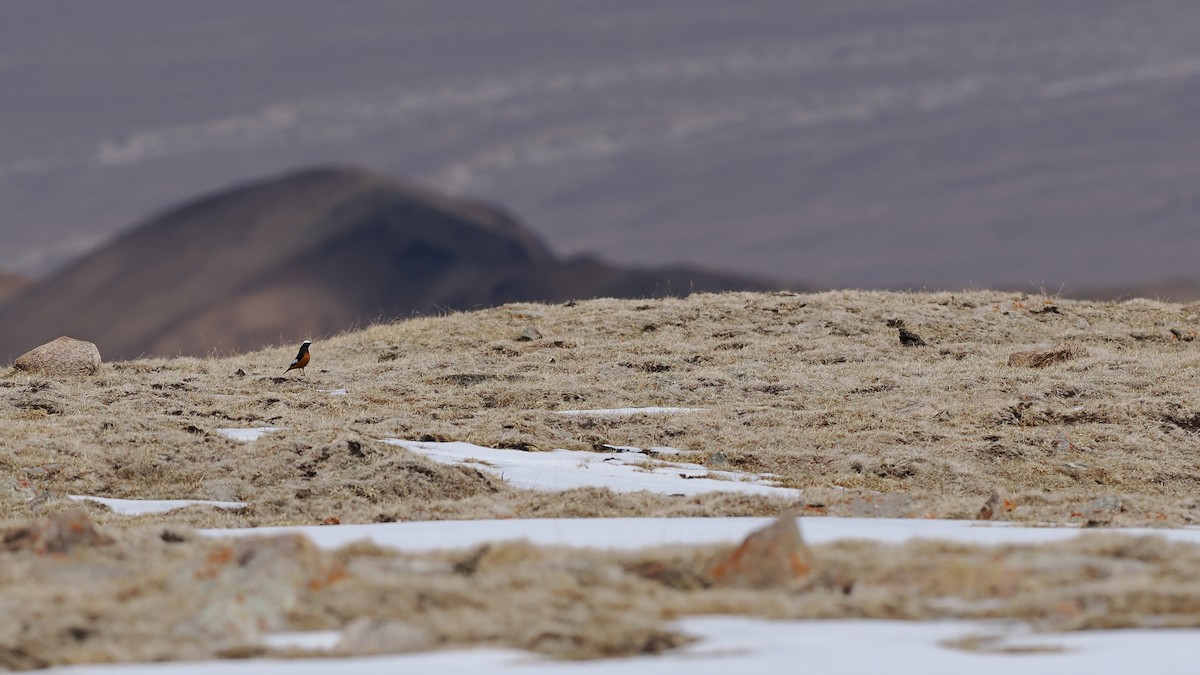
{"points": [[815, 388]]}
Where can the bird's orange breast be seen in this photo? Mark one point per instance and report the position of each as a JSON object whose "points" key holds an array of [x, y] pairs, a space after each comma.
{"points": [[300, 362]]}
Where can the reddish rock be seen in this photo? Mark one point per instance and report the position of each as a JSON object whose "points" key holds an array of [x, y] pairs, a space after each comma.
{"points": [[60, 533], [1059, 353], [996, 507], [252, 584], [771, 557]]}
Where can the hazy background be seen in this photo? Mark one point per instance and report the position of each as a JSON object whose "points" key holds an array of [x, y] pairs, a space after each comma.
{"points": [[870, 143]]}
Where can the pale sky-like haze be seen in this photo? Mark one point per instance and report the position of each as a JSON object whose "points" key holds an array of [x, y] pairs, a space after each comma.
{"points": [[869, 143]]}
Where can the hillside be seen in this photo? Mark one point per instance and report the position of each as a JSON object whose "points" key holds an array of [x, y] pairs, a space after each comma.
{"points": [[814, 396], [815, 388], [305, 255]]}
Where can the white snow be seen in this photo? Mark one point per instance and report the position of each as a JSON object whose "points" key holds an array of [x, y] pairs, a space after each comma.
{"points": [[333, 392], [247, 435], [634, 533], [619, 471], [735, 644], [137, 507], [653, 452], [316, 640], [652, 410]]}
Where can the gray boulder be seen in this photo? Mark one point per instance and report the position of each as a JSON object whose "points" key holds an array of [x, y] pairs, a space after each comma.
{"points": [[62, 356]]}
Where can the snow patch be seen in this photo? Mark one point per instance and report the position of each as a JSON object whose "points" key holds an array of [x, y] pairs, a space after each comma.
{"points": [[636, 533], [653, 410], [316, 640], [623, 471], [137, 507], [653, 452], [247, 435]]}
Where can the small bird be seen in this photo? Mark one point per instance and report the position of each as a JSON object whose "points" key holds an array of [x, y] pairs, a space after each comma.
{"points": [[302, 357], [907, 337], [910, 339]]}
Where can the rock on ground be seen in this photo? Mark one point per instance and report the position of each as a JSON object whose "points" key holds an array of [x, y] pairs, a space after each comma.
{"points": [[997, 506], [61, 533], [61, 356], [771, 557], [1059, 353], [253, 584]]}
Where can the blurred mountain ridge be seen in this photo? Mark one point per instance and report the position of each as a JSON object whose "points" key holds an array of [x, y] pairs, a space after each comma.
{"points": [[307, 254]]}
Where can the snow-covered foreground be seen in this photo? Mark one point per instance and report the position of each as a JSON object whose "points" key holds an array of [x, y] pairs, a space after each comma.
{"points": [[734, 644], [634, 533], [624, 470], [731, 644], [725, 644]]}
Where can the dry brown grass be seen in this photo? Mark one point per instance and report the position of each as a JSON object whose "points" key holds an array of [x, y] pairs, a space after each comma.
{"points": [[815, 388]]}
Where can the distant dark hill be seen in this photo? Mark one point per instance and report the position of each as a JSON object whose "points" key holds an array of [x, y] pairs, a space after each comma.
{"points": [[308, 254]]}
